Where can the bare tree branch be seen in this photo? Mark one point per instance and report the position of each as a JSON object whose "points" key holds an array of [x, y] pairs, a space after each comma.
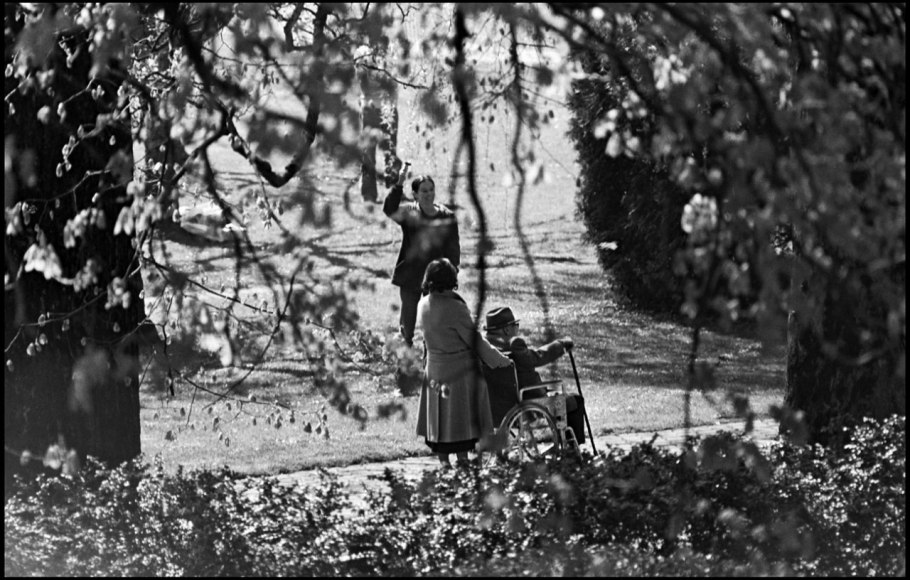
{"points": [[290, 24], [515, 86], [310, 125], [459, 79]]}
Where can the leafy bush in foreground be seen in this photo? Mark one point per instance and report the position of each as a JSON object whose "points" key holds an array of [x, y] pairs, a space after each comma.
{"points": [[719, 508]]}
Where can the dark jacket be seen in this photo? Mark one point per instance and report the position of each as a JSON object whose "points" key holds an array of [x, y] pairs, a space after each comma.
{"points": [[526, 358], [424, 238]]}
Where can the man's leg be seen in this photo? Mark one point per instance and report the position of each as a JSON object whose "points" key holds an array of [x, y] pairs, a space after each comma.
{"points": [[575, 407], [408, 319]]}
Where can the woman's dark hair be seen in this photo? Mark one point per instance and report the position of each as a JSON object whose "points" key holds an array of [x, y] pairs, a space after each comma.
{"points": [[415, 185], [440, 275]]}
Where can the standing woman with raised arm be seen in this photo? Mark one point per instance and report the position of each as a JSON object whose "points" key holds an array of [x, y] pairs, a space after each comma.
{"points": [[429, 231]]}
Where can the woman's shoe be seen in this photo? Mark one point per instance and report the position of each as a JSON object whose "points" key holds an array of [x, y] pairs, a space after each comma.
{"points": [[467, 463]]}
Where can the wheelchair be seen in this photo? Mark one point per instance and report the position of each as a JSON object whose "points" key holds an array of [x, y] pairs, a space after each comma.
{"points": [[532, 421]]}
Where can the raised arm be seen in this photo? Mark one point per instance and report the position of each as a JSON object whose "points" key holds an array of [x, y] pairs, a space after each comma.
{"points": [[536, 356], [392, 202]]}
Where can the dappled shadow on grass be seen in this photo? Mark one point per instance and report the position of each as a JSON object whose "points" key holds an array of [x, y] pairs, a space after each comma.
{"points": [[348, 250], [237, 181], [335, 259], [162, 365], [615, 345], [659, 356], [285, 428], [272, 377], [192, 235], [632, 366]]}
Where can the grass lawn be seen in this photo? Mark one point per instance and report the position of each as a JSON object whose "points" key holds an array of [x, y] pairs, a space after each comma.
{"points": [[631, 365]]}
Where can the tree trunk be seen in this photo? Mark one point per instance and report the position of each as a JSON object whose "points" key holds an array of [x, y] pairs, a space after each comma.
{"points": [[73, 379], [831, 375], [378, 115]]}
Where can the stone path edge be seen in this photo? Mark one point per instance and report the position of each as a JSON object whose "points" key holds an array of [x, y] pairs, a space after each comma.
{"points": [[360, 477]]}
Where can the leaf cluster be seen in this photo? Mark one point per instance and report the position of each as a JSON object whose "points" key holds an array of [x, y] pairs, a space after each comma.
{"points": [[777, 116], [706, 511]]}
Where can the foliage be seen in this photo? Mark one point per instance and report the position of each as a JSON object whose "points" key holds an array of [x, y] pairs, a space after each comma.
{"points": [[728, 100], [708, 511], [71, 284], [173, 81], [769, 119], [630, 207], [785, 127], [852, 500]]}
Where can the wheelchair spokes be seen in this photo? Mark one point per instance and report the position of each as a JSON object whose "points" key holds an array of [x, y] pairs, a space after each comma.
{"points": [[530, 433]]}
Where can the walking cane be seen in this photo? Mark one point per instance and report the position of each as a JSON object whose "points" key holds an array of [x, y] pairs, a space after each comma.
{"points": [[577, 382]]}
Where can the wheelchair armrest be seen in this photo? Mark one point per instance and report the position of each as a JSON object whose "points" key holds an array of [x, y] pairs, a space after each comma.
{"points": [[553, 382], [543, 385]]}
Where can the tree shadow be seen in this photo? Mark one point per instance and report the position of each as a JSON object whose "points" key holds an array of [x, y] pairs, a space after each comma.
{"points": [[615, 345]]}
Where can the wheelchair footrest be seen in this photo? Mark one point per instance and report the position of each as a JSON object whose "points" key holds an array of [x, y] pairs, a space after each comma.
{"points": [[571, 441]]}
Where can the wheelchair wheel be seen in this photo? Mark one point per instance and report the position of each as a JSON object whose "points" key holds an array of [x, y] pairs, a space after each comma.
{"points": [[529, 433]]}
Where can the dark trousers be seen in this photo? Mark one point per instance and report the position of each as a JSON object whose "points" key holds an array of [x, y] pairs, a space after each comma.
{"points": [[408, 319], [575, 417]]}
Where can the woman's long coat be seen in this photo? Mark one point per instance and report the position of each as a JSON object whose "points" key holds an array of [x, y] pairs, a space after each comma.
{"points": [[454, 401]]}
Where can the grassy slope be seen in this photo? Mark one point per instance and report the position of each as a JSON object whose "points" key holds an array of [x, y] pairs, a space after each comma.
{"points": [[631, 365]]}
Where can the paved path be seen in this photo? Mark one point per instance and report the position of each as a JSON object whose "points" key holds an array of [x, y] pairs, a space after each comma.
{"points": [[357, 477]]}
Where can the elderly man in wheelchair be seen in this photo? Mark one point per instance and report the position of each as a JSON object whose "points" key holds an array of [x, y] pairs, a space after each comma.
{"points": [[535, 417]]}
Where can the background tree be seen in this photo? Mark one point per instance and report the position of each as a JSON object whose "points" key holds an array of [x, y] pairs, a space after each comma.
{"points": [[80, 222], [378, 112], [73, 297], [171, 90], [775, 119]]}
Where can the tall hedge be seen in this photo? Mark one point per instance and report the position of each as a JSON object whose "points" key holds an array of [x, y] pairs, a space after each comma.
{"points": [[630, 208]]}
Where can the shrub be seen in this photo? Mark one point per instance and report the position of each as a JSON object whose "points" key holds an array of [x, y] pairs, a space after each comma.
{"points": [[627, 202], [136, 521], [633, 204], [127, 521], [853, 499], [718, 508]]}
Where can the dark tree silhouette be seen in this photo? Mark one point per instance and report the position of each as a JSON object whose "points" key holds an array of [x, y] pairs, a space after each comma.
{"points": [[71, 375]]}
